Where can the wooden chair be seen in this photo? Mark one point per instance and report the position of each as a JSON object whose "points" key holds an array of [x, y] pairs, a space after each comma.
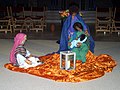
{"points": [[115, 28], [28, 24], [17, 12], [103, 20], [18, 24], [38, 13], [5, 26], [4, 13], [5, 20], [17, 18], [38, 25]]}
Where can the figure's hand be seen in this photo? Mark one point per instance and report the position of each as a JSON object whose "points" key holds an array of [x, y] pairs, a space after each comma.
{"points": [[68, 37], [69, 43], [79, 44], [28, 62], [76, 39], [30, 55], [86, 33]]}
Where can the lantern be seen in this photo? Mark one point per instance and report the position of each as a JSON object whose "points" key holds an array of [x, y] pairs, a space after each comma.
{"points": [[67, 60]]}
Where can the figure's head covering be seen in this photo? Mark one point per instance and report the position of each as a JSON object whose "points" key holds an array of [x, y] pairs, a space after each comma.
{"points": [[17, 41], [73, 8]]}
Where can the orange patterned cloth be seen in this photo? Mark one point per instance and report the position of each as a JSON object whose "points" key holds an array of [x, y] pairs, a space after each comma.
{"points": [[95, 67]]}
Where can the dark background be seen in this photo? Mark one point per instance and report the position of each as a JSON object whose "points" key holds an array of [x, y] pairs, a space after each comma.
{"points": [[61, 4]]}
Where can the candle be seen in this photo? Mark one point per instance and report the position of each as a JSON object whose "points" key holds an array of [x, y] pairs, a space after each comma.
{"points": [[67, 65]]}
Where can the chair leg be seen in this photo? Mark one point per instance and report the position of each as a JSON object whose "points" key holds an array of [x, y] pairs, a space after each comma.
{"points": [[104, 33], [5, 32], [118, 33]]}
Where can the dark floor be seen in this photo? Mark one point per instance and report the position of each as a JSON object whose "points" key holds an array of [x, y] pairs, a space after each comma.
{"points": [[49, 35]]}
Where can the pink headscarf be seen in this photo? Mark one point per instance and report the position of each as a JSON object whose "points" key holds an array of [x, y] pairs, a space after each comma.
{"points": [[17, 41]]}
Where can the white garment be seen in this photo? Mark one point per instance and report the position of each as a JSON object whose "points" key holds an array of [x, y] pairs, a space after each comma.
{"points": [[74, 42], [21, 60]]}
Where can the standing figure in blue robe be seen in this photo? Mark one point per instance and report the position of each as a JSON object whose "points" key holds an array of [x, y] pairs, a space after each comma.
{"points": [[68, 30]]}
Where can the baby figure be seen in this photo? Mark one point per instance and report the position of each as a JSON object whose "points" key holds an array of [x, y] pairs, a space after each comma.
{"points": [[32, 62], [81, 39]]}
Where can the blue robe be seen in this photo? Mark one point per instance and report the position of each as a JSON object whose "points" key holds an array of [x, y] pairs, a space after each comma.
{"points": [[64, 34]]}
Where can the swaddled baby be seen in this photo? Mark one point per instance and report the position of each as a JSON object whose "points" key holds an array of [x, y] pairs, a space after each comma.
{"points": [[33, 61], [81, 39]]}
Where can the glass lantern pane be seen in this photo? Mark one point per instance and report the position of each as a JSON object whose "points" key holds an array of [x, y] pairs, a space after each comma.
{"points": [[63, 61], [71, 57], [63, 57]]}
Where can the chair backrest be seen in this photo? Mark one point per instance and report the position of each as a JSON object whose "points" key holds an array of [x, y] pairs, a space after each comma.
{"points": [[4, 12], [16, 11], [27, 11], [116, 14], [38, 12], [38, 9], [103, 12]]}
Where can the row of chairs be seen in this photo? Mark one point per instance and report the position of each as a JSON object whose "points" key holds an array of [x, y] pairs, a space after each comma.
{"points": [[23, 12], [22, 19], [107, 20], [28, 24]]}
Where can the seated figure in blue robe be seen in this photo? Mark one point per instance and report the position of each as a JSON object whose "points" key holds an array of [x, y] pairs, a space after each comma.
{"points": [[68, 30]]}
